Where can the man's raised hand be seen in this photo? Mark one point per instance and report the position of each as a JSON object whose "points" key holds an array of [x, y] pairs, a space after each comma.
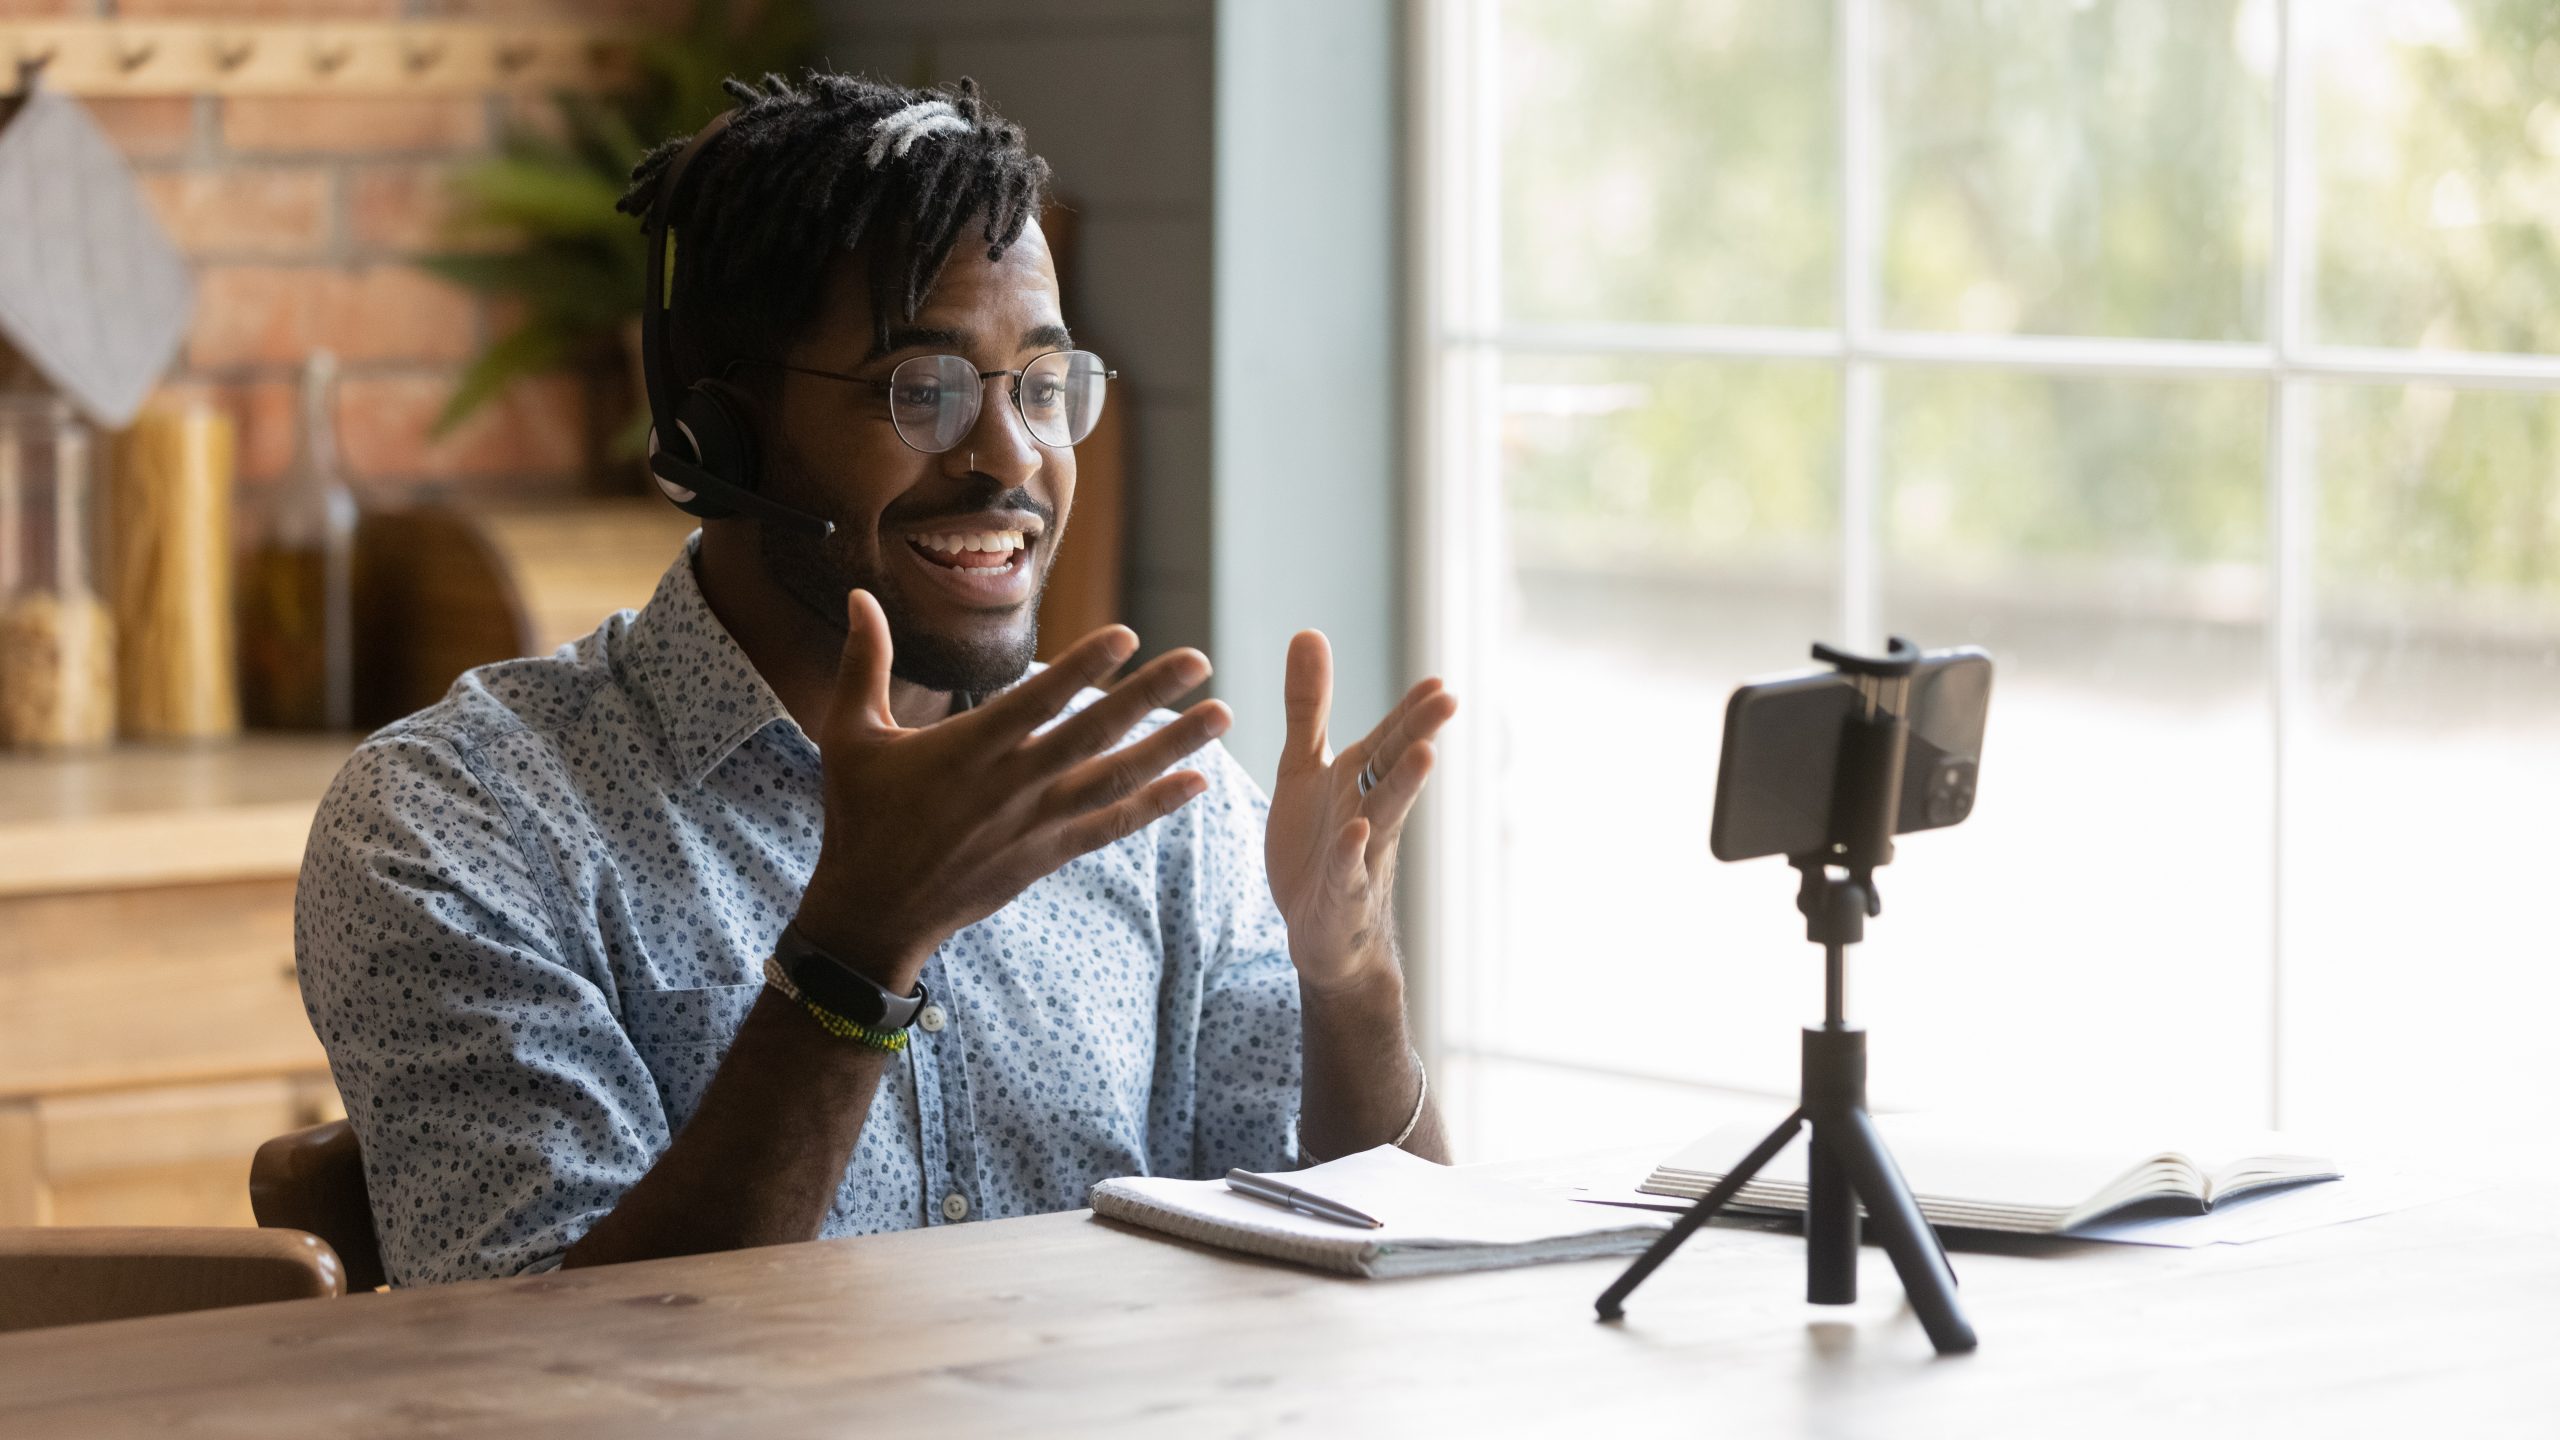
{"points": [[932, 829], [1331, 849]]}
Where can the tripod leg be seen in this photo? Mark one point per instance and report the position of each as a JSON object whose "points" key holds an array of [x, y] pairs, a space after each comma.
{"points": [[1894, 1172], [1830, 1225], [1612, 1302], [1931, 1286]]}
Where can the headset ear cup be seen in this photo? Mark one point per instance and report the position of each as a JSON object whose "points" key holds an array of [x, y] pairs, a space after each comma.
{"points": [[724, 443], [714, 443], [672, 463]]}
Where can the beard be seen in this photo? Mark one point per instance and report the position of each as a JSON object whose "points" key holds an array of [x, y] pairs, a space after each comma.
{"points": [[817, 571]]}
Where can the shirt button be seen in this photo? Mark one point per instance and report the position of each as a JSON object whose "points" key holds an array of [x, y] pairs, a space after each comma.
{"points": [[931, 1017], [955, 1206]]}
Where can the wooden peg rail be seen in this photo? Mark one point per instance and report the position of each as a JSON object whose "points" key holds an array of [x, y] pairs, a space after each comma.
{"points": [[119, 57]]}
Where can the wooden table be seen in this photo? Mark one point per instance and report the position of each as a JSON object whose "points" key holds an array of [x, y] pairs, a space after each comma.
{"points": [[2440, 1320]]}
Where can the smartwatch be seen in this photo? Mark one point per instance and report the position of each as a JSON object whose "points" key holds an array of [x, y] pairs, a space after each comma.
{"points": [[835, 986]]}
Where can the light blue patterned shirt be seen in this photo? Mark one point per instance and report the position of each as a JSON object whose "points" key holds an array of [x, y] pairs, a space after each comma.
{"points": [[532, 917]]}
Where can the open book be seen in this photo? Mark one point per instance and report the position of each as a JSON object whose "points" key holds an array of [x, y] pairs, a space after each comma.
{"points": [[2022, 1179], [1436, 1219]]}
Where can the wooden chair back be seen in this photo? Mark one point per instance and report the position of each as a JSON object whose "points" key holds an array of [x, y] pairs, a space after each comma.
{"points": [[313, 1179], [73, 1274]]}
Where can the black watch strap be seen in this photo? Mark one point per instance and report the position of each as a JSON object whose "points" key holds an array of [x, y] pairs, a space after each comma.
{"points": [[837, 987]]}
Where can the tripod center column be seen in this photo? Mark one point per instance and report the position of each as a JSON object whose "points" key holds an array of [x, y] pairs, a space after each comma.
{"points": [[1835, 1068]]}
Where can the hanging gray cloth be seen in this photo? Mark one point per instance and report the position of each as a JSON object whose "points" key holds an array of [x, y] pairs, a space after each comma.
{"points": [[92, 292]]}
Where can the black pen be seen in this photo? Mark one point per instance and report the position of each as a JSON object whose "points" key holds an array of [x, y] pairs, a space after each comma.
{"points": [[1263, 1187]]}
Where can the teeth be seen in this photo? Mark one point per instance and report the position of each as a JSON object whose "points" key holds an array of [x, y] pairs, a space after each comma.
{"points": [[982, 540]]}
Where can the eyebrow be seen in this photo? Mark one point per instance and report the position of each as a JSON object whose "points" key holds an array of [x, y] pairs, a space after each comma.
{"points": [[919, 337], [914, 337]]}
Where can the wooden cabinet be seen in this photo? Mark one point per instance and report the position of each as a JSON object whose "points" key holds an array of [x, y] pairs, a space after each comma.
{"points": [[151, 1034]]}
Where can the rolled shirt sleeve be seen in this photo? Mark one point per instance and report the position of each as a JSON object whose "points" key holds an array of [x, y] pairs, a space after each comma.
{"points": [[501, 1106]]}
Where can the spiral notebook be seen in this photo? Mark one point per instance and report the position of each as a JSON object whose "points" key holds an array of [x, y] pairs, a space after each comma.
{"points": [[1438, 1220]]}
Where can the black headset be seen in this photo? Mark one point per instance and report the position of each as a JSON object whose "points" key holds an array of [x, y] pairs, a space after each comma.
{"points": [[719, 475]]}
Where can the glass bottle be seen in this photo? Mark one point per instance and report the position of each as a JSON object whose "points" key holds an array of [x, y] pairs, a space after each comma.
{"points": [[57, 638], [297, 592]]}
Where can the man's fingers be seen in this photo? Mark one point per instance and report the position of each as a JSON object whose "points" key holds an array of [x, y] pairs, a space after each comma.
{"points": [[1033, 703], [1373, 746], [1106, 779], [861, 700], [1391, 800], [1154, 686], [1307, 696], [1418, 716], [1094, 829]]}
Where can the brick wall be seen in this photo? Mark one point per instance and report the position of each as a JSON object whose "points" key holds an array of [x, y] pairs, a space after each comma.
{"points": [[300, 216]]}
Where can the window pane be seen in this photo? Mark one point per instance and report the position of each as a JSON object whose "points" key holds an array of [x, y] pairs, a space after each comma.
{"points": [[1674, 526], [2097, 934], [2088, 169], [2418, 822], [2438, 134], [1667, 161]]}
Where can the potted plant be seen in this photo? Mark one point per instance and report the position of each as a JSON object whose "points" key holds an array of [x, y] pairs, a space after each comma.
{"points": [[572, 267]]}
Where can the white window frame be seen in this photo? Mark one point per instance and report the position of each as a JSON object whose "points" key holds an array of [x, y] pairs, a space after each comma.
{"points": [[1459, 558]]}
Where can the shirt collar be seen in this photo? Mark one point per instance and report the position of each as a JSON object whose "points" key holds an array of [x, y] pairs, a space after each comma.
{"points": [[709, 698]]}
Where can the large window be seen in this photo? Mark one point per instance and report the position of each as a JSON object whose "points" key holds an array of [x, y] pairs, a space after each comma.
{"points": [[2191, 357]]}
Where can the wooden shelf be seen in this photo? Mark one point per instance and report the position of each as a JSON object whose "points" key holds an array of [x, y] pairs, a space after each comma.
{"points": [[162, 815], [400, 57]]}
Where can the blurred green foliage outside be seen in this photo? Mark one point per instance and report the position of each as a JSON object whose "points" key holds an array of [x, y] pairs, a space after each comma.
{"points": [[2103, 168]]}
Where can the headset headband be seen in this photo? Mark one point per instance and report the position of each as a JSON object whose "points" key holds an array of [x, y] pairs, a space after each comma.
{"points": [[657, 364], [699, 449]]}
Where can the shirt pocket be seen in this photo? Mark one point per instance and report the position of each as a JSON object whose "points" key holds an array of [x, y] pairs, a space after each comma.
{"points": [[682, 1036]]}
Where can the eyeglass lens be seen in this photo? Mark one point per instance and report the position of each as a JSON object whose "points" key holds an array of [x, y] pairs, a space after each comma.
{"points": [[934, 399]]}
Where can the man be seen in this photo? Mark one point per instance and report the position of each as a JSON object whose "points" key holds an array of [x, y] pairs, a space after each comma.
{"points": [[586, 939]]}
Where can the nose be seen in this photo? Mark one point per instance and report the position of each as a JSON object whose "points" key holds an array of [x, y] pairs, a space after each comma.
{"points": [[999, 444]]}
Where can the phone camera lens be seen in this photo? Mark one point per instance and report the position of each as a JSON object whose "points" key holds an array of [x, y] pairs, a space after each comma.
{"points": [[1951, 791]]}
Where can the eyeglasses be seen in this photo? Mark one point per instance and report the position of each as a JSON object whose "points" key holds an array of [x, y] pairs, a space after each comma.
{"points": [[934, 400]]}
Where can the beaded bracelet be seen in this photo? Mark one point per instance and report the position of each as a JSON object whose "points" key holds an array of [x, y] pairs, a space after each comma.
{"points": [[834, 1024]]}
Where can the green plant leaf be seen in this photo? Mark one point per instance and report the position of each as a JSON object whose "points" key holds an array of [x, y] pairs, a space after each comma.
{"points": [[579, 266], [575, 289], [528, 350], [542, 199], [601, 134]]}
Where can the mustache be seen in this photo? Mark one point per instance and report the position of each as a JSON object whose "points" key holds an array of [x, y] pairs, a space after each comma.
{"points": [[978, 498]]}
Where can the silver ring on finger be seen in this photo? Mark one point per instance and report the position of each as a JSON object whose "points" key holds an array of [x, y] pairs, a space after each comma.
{"points": [[1368, 776]]}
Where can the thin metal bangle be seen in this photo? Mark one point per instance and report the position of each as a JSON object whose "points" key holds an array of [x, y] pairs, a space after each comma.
{"points": [[1412, 1122], [1420, 1099]]}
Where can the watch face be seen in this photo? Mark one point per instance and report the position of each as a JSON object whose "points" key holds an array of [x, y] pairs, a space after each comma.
{"points": [[836, 987]]}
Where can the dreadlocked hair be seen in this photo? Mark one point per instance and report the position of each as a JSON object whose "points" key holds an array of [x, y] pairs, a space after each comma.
{"points": [[832, 164]]}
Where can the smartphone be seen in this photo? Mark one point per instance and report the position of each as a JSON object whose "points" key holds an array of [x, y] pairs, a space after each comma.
{"points": [[1782, 754]]}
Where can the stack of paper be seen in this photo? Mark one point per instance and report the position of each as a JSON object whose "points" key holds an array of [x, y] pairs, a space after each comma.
{"points": [[1437, 1219]]}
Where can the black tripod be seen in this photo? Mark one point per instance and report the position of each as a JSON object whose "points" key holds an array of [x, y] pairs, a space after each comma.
{"points": [[1845, 1160]]}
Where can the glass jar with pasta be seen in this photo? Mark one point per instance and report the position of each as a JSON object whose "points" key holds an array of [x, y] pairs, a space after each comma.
{"points": [[57, 639]]}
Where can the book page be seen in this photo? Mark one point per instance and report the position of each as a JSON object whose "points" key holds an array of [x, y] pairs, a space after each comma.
{"points": [[1969, 1158]]}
